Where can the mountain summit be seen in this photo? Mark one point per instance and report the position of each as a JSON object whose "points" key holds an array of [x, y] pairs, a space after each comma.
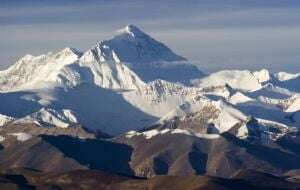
{"points": [[132, 45], [147, 57], [132, 30]]}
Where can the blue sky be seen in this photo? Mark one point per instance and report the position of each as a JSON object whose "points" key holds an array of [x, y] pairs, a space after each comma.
{"points": [[213, 34]]}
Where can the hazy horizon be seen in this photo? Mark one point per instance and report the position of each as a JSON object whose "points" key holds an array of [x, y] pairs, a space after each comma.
{"points": [[212, 34]]}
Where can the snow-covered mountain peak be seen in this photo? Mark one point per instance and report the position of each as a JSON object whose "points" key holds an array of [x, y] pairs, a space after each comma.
{"points": [[131, 30], [131, 45], [145, 56]]}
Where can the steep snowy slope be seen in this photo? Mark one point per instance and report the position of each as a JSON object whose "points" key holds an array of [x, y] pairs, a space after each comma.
{"points": [[107, 74]]}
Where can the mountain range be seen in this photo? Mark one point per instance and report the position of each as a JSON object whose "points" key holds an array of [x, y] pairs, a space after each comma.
{"points": [[131, 106]]}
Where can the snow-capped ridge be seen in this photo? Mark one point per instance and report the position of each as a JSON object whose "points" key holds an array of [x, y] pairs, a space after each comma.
{"points": [[50, 118], [238, 79], [284, 76], [262, 75], [33, 72], [154, 132], [26, 57]]}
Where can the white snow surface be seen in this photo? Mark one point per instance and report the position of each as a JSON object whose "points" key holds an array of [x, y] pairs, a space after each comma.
{"points": [[32, 72], [22, 136], [242, 132], [154, 132], [50, 117], [5, 119], [239, 97], [228, 117], [284, 76], [294, 106], [244, 80], [2, 138]]}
